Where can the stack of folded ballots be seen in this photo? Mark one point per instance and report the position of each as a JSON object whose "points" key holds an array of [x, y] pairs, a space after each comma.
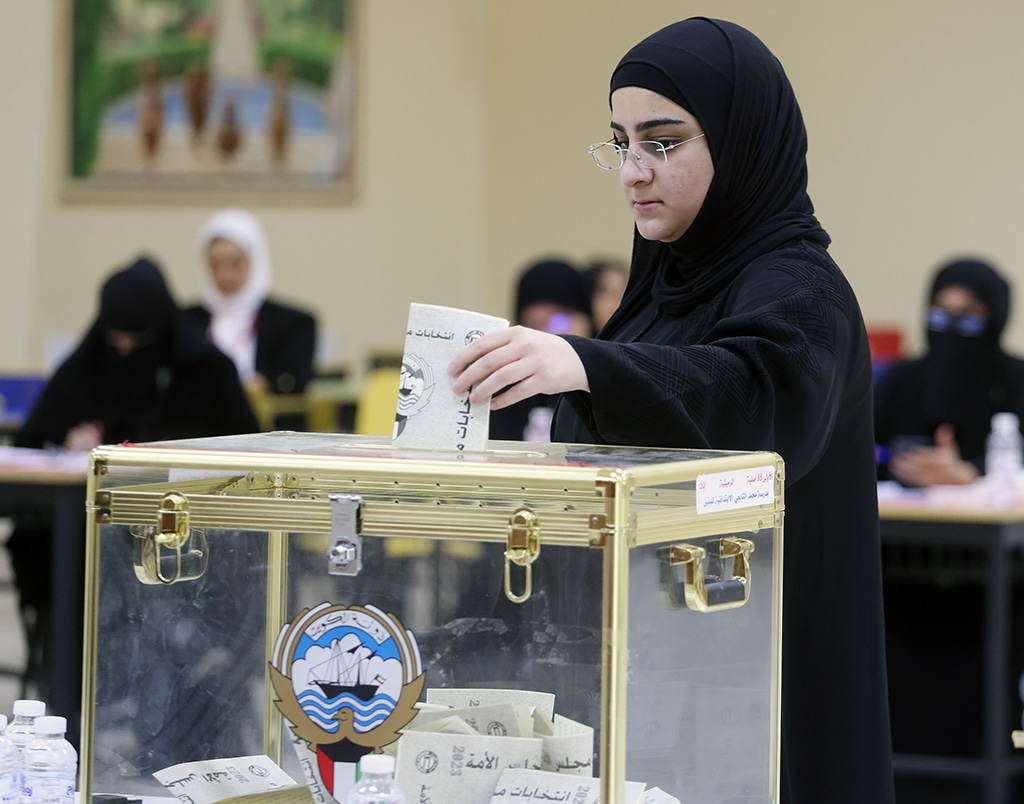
{"points": [[480, 746]]}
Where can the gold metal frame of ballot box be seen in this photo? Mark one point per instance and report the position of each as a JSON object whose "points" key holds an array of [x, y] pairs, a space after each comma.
{"points": [[613, 499]]}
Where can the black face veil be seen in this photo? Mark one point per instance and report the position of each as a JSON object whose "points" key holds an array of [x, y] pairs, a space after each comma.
{"points": [[963, 379]]}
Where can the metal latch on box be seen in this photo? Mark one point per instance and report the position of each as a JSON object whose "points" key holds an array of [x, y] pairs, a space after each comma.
{"points": [[171, 551], [523, 547], [715, 577], [345, 553]]}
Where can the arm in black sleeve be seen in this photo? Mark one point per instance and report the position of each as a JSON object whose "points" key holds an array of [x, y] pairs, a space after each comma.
{"points": [[45, 424], [64, 403], [768, 371]]}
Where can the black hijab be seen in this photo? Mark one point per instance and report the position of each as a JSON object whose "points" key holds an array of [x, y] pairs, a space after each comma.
{"points": [[963, 378], [136, 299], [758, 199], [555, 282], [123, 391]]}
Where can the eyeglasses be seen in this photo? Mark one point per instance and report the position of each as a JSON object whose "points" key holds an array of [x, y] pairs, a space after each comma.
{"points": [[649, 154], [970, 324]]}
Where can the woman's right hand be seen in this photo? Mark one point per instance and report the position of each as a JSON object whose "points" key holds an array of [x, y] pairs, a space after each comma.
{"points": [[530, 361]]}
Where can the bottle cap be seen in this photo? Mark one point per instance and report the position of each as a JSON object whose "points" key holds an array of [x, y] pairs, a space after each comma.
{"points": [[1008, 420], [53, 724], [28, 708], [3, 722], [377, 763]]}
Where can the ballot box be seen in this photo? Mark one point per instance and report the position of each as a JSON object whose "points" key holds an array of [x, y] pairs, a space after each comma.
{"points": [[583, 619]]}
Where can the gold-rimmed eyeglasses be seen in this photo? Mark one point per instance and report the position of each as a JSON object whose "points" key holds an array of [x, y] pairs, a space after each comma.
{"points": [[649, 153]]}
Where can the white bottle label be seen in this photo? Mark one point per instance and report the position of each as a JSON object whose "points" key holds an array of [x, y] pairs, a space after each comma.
{"points": [[48, 788], [9, 792]]}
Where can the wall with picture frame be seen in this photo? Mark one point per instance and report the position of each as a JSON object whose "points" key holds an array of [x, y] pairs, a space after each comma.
{"points": [[473, 123]]}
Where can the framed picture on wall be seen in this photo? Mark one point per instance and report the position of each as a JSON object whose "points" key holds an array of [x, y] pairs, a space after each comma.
{"points": [[209, 100]]}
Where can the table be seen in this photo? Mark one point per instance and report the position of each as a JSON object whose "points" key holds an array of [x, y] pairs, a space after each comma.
{"points": [[56, 482], [997, 532]]}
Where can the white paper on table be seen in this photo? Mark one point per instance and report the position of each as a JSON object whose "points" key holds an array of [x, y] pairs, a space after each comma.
{"points": [[516, 785], [570, 749], [460, 697], [445, 768], [497, 720], [41, 460], [211, 780], [429, 414]]}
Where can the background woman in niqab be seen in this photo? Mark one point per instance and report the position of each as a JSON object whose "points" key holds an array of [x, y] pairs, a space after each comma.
{"points": [[170, 383], [142, 372], [933, 412], [738, 331]]}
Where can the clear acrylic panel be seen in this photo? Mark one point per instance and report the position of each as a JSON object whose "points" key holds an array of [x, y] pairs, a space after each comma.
{"points": [[193, 670], [701, 683]]}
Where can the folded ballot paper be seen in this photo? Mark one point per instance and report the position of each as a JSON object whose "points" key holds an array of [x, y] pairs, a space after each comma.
{"points": [[462, 740], [517, 786], [238, 780], [429, 414]]}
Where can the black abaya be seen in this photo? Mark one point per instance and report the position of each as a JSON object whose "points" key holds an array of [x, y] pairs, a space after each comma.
{"points": [[778, 361], [744, 334]]}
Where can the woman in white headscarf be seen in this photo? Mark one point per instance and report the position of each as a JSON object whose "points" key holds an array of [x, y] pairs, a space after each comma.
{"points": [[271, 344]]}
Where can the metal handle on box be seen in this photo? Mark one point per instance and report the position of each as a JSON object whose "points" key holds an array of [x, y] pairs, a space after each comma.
{"points": [[172, 533], [170, 551], [523, 547], [699, 590]]}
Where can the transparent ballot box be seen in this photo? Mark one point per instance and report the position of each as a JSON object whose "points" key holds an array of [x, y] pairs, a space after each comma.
{"points": [[602, 616]]}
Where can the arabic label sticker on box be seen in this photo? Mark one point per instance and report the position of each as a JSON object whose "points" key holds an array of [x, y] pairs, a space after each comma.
{"points": [[739, 488]]}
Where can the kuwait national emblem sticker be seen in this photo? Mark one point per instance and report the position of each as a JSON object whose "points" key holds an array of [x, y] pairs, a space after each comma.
{"points": [[347, 678]]}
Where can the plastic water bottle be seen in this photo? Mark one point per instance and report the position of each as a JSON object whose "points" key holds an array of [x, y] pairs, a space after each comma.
{"points": [[49, 764], [377, 785], [20, 730], [538, 424], [1004, 451], [10, 781]]}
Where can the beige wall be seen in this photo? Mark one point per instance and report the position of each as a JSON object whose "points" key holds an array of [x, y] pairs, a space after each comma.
{"points": [[474, 122]]}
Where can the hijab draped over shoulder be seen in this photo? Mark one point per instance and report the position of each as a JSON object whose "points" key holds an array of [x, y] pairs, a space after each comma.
{"points": [[739, 92], [233, 318]]}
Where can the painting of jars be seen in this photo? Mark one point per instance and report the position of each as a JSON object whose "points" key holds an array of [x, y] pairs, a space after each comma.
{"points": [[212, 93]]}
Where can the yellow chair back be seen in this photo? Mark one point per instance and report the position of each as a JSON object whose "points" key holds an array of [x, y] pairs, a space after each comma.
{"points": [[375, 406]]}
